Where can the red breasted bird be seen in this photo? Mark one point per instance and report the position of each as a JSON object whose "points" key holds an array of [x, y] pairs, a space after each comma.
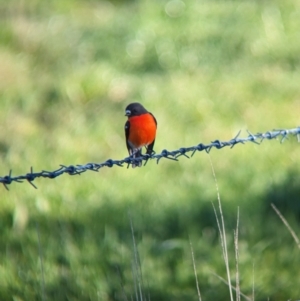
{"points": [[140, 131]]}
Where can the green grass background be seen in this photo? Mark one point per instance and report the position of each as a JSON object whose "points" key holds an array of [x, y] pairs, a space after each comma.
{"points": [[206, 69]]}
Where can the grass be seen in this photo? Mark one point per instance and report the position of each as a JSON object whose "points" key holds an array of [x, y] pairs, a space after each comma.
{"points": [[206, 70]]}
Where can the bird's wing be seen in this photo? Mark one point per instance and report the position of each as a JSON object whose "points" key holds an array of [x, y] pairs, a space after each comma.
{"points": [[127, 127]]}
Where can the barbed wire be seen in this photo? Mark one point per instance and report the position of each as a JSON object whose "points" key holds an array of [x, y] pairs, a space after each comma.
{"points": [[172, 155]]}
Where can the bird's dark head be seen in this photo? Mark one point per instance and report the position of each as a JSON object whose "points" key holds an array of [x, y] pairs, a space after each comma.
{"points": [[135, 109]]}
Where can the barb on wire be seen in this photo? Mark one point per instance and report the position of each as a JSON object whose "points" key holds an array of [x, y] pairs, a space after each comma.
{"points": [[172, 155]]}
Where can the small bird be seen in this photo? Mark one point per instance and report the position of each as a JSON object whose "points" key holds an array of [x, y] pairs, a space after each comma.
{"points": [[140, 131]]}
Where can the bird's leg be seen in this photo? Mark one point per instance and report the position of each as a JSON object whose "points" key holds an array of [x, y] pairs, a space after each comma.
{"points": [[152, 151]]}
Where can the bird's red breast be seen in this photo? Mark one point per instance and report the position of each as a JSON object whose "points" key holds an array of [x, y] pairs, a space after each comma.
{"points": [[142, 130]]}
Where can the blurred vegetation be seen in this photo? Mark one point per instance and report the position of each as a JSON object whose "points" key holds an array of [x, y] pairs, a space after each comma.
{"points": [[206, 69]]}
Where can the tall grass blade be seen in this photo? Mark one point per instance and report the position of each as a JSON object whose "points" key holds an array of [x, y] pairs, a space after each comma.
{"points": [[287, 225], [236, 247], [222, 230], [195, 271]]}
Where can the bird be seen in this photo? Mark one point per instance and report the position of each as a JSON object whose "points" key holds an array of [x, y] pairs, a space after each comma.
{"points": [[140, 131]]}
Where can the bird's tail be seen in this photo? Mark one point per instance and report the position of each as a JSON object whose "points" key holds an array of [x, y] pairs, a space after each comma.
{"points": [[137, 154]]}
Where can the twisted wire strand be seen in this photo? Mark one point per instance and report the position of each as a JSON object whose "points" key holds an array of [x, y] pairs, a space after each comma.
{"points": [[165, 154]]}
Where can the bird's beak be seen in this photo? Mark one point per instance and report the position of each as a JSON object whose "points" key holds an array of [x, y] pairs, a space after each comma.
{"points": [[127, 113]]}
